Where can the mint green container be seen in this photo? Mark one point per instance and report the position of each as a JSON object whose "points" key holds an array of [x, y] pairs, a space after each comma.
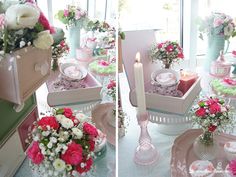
{"points": [[216, 43], [74, 39]]}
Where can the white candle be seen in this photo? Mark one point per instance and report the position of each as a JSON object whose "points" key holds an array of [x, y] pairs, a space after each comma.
{"points": [[139, 85]]}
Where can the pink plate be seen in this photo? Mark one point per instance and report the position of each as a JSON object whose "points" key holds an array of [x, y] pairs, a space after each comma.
{"points": [[100, 116], [182, 154]]}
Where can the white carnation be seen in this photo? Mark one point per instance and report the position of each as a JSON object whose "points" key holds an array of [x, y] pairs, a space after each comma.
{"points": [[21, 16], [60, 117], [77, 132], [44, 40], [67, 123], [81, 117]]}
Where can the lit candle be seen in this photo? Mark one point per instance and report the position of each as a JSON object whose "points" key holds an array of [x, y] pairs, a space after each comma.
{"points": [[139, 85], [187, 79]]}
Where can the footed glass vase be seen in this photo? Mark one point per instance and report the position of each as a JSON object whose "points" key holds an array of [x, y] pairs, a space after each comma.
{"points": [[216, 43], [205, 146], [74, 39]]}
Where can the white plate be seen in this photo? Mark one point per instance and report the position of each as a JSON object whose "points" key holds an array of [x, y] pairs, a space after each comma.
{"points": [[73, 71]]}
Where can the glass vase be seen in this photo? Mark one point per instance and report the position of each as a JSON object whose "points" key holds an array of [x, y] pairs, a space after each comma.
{"points": [[216, 43], [74, 39], [205, 146]]}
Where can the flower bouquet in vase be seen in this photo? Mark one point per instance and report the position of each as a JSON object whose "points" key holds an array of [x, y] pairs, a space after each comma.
{"points": [[74, 18], [167, 52], [219, 27], [63, 144], [213, 116]]}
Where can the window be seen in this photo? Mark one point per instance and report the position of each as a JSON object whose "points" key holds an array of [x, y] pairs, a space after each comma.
{"points": [[162, 15]]}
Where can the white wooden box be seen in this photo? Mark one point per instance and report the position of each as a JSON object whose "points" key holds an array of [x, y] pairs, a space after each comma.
{"points": [[140, 41], [22, 72]]}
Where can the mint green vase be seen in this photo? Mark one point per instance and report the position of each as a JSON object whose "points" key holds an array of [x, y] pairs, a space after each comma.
{"points": [[216, 43], [74, 39]]}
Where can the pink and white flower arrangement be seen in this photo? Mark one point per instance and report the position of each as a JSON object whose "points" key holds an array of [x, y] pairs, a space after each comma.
{"points": [[72, 16], [217, 24], [63, 144], [213, 116], [23, 24], [167, 52], [111, 89]]}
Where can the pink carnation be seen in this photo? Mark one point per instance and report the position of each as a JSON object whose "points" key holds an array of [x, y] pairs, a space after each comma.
{"points": [[201, 112], [73, 155], [35, 154], [214, 108], [90, 129], [232, 167]]}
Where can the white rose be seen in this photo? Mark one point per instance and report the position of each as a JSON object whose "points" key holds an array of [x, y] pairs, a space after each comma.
{"points": [[44, 40], [21, 16], [77, 132], [67, 123], [81, 117]]}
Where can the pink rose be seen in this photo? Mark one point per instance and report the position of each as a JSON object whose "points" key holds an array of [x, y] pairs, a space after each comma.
{"points": [[218, 22], [201, 112], [68, 112], [35, 154], [66, 13], [214, 108], [85, 168], [73, 155], [180, 55], [111, 84], [170, 48], [159, 46]]}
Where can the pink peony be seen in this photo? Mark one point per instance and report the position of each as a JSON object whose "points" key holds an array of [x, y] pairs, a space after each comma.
{"points": [[48, 121], [68, 112], [35, 154], [201, 112], [66, 13], [170, 48], [90, 129], [73, 155], [214, 108], [232, 167]]}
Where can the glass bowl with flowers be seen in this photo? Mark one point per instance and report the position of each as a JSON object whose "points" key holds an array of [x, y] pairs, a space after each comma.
{"points": [[213, 115], [63, 144], [167, 52]]}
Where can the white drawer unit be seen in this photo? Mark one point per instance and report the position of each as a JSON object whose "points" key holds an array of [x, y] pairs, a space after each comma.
{"points": [[11, 156], [22, 72]]}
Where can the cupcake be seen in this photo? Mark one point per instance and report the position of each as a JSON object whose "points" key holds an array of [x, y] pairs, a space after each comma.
{"points": [[201, 168]]}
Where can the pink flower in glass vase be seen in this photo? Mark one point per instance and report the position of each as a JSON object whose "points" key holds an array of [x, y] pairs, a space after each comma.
{"points": [[232, 167], [170, 48], [73, 155], [66, 13], [35, 154]]}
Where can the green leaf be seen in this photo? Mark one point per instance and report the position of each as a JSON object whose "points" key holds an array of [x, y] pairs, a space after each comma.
{"points": [[60, 111]]}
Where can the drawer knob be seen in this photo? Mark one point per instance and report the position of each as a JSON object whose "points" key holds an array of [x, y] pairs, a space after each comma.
{"points": [[42, 68], [18, 107]]}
